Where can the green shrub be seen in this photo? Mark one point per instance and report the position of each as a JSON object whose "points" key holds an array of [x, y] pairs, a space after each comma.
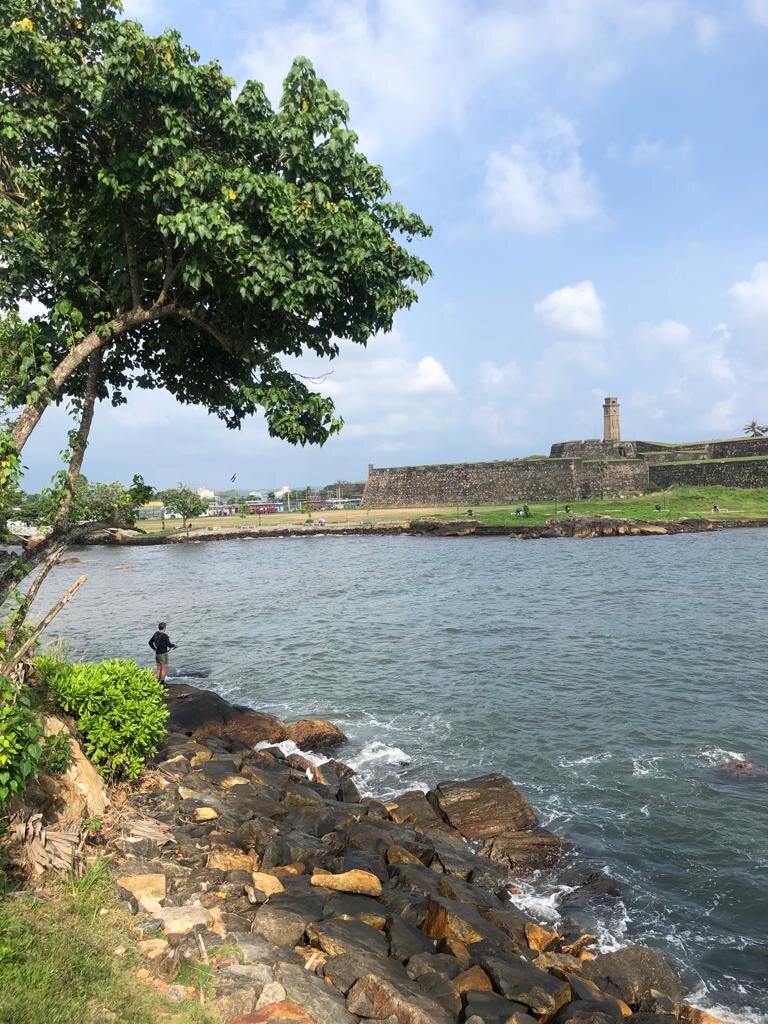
{"points": [[20, 732], [118, 708], [57, 753]]}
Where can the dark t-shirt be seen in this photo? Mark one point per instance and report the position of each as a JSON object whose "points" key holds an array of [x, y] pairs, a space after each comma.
{"points": [[160, 642]]}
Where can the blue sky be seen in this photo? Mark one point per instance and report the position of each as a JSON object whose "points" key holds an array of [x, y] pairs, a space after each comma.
{"points": [[595, 173]]}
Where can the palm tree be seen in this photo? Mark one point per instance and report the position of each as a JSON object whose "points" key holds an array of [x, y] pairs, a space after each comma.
{"points": [[754, 429]]}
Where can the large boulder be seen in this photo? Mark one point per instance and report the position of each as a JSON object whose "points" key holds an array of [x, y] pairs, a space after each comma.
{"points": [[202, 713], [541, 992], [483, 807], [374, 997], [526, 851], [315, 734], [632, 972]]}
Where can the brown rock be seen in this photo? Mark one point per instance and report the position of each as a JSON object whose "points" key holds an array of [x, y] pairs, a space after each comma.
{"points": [[539, 938], [527, 851], [414, 810], [267, 882], [363, 882], [484, 807], [182, 920], [548, 961], [399, 855], [284, 1012], [80, 792], [578, 945], [631, 972], [695, 1015], [315, 734], [205, 814], [148, 889], [313, 958], [249, 727], [376, 998], [543, 994], [288, 870], [588, 991], [447, 919], [204, 713], [472, 980], [227, 858]]}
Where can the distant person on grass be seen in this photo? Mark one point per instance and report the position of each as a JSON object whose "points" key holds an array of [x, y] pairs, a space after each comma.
{"points": [[160, 643]]}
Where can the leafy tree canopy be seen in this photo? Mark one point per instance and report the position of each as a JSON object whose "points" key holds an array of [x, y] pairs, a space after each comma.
{"points": [[112, 504], [185, 501], [194, 236]]}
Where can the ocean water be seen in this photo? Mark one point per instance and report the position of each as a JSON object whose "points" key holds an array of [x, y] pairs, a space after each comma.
{"points": [[611, 679]]}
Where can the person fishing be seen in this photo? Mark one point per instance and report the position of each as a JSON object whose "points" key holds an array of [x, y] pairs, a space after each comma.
{"points": [[160, 643]]}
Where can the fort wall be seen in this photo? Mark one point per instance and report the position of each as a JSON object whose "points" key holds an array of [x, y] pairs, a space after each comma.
{"points": [[746, 473]]}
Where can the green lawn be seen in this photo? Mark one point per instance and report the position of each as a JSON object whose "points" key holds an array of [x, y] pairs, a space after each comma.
{"points": [[676, 503], [58, 963]]}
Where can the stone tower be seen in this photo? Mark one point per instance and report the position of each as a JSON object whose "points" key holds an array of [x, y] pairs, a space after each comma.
{"points": [[611, 421]]}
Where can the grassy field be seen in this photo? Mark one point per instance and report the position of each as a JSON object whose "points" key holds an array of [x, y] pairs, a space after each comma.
{"points": [[691, 502], [676, 503], [67, 955]]}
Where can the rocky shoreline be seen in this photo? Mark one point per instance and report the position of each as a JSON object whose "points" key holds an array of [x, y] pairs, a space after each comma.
{"points": [[578, 527], [313, 904]]}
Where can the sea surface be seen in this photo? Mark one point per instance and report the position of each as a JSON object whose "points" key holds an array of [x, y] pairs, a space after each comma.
{"points": [[612, 679]]}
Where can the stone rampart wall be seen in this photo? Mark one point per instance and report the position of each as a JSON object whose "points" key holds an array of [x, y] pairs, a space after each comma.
{"points": [[747, 473], [593, 449], [606, 478]]}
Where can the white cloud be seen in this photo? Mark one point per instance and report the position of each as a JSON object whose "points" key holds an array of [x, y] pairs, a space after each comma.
{"points": [[429, 378], [666, 333], [540, 183], [141, 10], [750, 298], [575, 309], [757, 10], [657, 153], [29, 309], [408, 68], [706, 30]]}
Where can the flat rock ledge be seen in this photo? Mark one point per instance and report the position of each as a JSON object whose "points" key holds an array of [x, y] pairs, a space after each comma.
{"points": [[316, 905]]}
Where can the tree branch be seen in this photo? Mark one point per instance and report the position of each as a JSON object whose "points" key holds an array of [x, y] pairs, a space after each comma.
{"points": [[42, 626], [130, 255], [228, 344], [27, 421], [172, 271], [18, 617]]}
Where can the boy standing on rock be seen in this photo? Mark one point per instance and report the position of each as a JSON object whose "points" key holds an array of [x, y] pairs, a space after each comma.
{"points": [[160, 643]]}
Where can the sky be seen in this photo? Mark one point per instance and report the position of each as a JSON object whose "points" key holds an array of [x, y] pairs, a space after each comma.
{"points": [[594, 172]]}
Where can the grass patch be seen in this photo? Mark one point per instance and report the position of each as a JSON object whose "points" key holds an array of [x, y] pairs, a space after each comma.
{"points": [[57, 961], [676, 503]]}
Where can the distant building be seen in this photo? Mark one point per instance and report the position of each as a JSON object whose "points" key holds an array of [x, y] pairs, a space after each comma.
{"points": [[206, 494], [256, 495], [152, 510]]}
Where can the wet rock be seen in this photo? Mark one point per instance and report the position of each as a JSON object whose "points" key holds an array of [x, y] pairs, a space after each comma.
{"points": [[630, 973], [315, 734], [318, 999], [443, 992], [204, 713], [360, 908], [413, 809], [375, 997], [336, 936], [538, 938], [542, 993], [526, 851], [489, 875], [483, 807], [282, 928], [454, 888], [596, 888], [348, 792], [687, 1014], [406, 940], [454, 920], [362, 882]]}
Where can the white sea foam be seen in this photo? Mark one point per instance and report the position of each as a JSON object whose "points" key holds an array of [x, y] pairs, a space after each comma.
{"points": [[288, 747], [541, 904], [715, 757], [580, 762], [377, 753]]}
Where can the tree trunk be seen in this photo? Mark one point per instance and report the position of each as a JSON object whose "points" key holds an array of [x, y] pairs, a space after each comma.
{"points": [[81, 441]]}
